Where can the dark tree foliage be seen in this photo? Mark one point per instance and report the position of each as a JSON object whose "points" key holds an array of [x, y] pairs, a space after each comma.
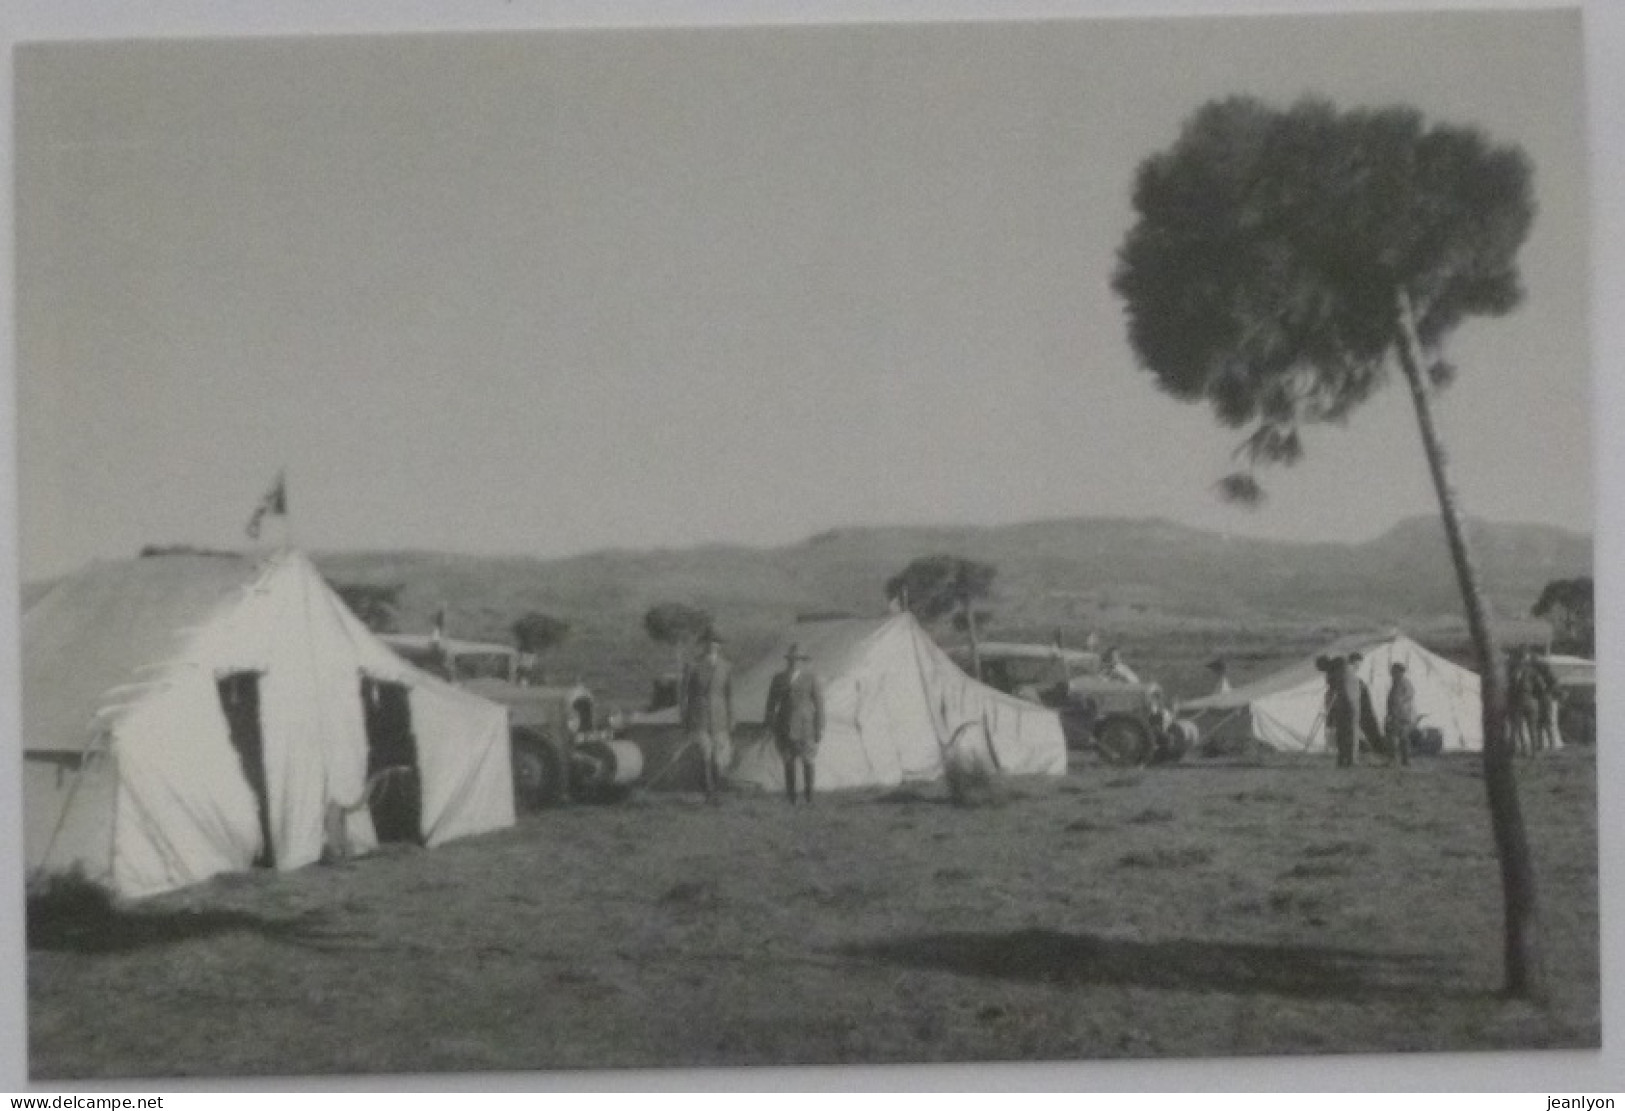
{"points": [[537, 632], [1261, 275], [1283, 263], [673, 622], [936, 586], [1570, 606], [376, 604]]}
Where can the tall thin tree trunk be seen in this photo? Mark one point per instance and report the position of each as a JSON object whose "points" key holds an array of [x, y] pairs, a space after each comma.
{"points": [[1525, 972]]}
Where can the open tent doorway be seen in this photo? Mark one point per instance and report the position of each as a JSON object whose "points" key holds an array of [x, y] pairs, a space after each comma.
{"points": [[240, 700], [394, 789]]}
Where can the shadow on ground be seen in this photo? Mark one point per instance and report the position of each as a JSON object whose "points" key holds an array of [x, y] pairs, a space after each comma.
{"points": [[94, 923], [1242, 968]]}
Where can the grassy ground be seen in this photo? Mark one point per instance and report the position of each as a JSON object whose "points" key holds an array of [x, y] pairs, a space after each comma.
{"points": [[1199, 910]]}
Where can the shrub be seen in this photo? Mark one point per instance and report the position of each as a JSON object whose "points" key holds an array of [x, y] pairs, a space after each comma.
{"points": [[974, 784], [66, 905]]}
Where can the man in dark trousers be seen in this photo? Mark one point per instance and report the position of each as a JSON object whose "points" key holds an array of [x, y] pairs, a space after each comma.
{"points": [[706, 702], [1342, 706], [1520, 702], [795, 715], [1370, 727], [1547, 694]]}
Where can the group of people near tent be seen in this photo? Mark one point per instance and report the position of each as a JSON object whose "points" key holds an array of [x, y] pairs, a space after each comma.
{"points": [[1289, 710], [1533, 694], [794, 716], [854, 702], [1351, 717]]}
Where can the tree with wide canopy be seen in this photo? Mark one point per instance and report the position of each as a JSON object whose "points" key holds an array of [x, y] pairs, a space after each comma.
{"points": [[1283, 262], [936, 586]]}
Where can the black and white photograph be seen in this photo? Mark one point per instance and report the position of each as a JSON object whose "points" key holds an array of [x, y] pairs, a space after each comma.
{"points": [[1059, 537]]}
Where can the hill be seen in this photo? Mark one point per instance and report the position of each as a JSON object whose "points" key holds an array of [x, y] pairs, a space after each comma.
{"points": [[1169, 592]]}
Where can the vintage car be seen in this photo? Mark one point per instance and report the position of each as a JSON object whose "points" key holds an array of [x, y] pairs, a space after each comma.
{"points": [[1577, 700], [1122, 722], [560, 748]]}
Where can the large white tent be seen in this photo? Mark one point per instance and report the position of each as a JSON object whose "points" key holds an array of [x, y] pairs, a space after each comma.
{"points": [[897, 710], [1287, 710], [186, 715]]}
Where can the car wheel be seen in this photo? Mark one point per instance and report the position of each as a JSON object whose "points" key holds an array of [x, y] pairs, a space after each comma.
{"points": [[1123, 741], [538, 771]]}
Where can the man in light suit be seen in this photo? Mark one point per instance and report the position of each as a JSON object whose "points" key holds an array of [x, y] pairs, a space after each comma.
{"points": [[1401, 714], [706, 702], [795, 715]]}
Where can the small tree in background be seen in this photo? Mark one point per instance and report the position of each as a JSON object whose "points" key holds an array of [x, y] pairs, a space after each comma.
{"points": [[536, 633], [1282, 262], [675, 625], [1570, 606], [937, 586], [377, 605]]}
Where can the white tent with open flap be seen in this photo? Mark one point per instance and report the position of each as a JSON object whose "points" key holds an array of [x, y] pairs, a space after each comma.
{"points": [[897, 710], [1286, 711], [188, 714]]}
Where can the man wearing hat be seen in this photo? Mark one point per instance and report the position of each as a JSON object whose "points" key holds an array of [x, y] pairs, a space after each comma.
{"points": [[1376, 741], [1548, 693], [795, 715], [705, 700], [1342, 706], [1401, 713]]}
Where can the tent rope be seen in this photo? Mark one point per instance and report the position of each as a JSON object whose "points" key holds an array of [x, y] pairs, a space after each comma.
{"points": [[67, 803], [857, 724], [682, 750], [369, 789]]}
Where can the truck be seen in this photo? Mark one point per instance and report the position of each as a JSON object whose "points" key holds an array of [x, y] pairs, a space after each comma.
{"points": [[563, 749]]}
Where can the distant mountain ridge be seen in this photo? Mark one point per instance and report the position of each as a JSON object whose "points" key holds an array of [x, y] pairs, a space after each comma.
{"points": [[1073, 574]]}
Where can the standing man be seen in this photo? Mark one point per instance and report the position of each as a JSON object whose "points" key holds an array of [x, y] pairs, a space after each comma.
{"points": [[1520, 702], [1401, 713], [1370, 727], [706, 706], [1060, 679], [1548, 693], [1342, 705], [795, 715]]}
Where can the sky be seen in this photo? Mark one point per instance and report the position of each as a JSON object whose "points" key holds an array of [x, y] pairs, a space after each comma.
{"points": [[546, 292]]}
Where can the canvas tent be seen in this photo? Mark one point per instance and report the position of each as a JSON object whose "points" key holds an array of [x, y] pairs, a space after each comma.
{"points": [[185, 715], [896, 710], [1286, 710]]}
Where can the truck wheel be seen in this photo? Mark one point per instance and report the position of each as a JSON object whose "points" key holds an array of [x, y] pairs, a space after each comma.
{"points": [[1123, 741], [538, 771]]}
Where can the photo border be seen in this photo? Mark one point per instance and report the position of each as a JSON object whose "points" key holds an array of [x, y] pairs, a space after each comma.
{"points": [[1555, 1070]]}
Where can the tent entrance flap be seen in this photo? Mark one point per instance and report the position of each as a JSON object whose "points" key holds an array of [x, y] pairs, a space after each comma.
{"points": [[240, 700], [394, 787]]}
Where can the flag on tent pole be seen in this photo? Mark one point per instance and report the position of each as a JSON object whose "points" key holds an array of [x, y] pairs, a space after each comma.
{"points": [[274, 503]]}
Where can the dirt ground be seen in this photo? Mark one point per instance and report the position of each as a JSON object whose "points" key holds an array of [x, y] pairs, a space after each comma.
{"points": [[1212, 908]]}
